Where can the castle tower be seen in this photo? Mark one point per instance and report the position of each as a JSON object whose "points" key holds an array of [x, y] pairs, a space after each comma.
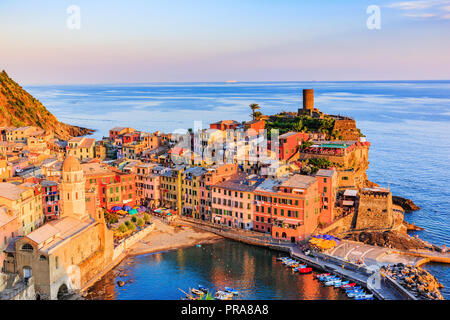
{"points": [[73, 202], [308, 99]]}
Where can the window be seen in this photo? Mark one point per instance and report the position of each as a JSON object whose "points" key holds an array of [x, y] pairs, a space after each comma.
{"points": [[43, 258], [27, 247]]}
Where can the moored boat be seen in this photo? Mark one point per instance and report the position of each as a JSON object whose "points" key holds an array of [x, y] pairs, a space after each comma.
{"points": [[231, 290], [305, 270], [197, 292], [222, 295]]}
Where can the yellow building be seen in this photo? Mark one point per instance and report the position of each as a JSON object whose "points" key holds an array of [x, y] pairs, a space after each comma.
{"points": [[65, 254], [171, 188], [191, 179], [5, 169], [21, 134], [81, 148], [25, 201]]}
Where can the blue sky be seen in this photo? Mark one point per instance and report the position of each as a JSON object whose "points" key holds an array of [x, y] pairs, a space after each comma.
{"points": [[214, 40]]}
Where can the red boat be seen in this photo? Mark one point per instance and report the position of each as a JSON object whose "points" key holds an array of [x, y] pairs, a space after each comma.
{"points": [[349, 285], [305, 270]]}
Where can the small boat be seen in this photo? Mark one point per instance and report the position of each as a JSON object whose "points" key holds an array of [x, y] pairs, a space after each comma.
{"points": [[328, 278], [364, 297], [197, 292], [317, 276], [332, 282], [301, 266], [355, 289], [353, 294], [231, 290], [198, 245], [282, 258], [222, 295], [342, 283], [305, 270], [348, 285], [201, 288]]}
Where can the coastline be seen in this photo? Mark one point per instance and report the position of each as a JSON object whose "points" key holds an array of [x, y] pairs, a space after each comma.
{"points": [[163, 238]]}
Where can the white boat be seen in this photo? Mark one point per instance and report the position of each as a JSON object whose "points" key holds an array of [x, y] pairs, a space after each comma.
{"points": [[332, 282], [222, 295], [356, 293], [231, 290], [337, 285]]}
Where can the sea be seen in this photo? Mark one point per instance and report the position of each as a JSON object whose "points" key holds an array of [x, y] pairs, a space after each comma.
{"points": [[407, 123]]}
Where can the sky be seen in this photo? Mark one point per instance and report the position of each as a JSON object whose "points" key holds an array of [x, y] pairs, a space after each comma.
{"points": [[138, 41]]}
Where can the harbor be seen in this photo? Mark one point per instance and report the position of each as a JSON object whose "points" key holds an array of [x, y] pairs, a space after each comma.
{"points": [[252, 271]]}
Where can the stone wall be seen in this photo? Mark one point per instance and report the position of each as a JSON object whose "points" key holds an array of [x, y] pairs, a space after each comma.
{"points": [[128, 242], [347, 129], [375, 210]]}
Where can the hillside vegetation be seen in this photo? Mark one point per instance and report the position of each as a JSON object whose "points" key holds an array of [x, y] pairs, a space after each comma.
{"points": [[19, 108]]}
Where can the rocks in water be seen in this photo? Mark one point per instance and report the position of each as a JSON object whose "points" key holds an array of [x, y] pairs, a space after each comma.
{"points": [[416, 280], [120, 283], [407, 204]]}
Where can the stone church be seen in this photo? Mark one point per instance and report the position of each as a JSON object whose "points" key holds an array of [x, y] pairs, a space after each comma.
{"points": [[63, 255]]}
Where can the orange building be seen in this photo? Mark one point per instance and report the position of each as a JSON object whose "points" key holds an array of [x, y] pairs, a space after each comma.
{"points": [[327, 183], [112, 188], [225, 125], [292, 205]]}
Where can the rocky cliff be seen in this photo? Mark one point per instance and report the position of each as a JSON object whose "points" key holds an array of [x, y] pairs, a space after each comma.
{"points": [[19, 108]]}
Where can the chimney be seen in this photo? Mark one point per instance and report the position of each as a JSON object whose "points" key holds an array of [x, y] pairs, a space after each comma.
{"points": [[308, 99]]}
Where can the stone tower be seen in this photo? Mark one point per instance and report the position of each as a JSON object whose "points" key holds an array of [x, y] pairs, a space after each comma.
{"points": [[308, 99], [73, 202]]}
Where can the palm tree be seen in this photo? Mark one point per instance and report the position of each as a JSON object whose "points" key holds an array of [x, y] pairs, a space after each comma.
{"points": [[254, 107]]}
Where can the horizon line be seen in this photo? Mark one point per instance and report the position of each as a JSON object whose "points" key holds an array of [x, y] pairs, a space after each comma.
{"points": [[225, 82]]}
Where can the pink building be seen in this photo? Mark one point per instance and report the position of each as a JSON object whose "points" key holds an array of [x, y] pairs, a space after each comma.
{"points": [[232, 201], [148, 181], [8, 230], [213, 176]]}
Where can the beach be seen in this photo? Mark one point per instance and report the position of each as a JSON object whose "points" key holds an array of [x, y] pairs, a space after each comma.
{"points": [[168, 237]]}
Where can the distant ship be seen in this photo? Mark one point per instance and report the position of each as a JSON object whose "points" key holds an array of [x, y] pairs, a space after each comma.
{"points": [[231, 81]]}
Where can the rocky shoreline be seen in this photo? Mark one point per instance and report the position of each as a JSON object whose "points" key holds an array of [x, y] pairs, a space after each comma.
{"points": [[416, 280], [407, 204], [392, 239]]}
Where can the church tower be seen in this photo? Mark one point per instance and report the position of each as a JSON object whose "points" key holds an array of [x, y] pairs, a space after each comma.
{"points": [[73, 200]]}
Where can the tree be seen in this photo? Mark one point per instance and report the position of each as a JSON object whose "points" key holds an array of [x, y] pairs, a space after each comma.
{"points": [[140, 222], [131, 226], [146, 217], [133, 218], [254, 107], [123, 228]]}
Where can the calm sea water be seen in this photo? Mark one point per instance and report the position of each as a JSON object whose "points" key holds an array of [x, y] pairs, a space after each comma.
{"points": [[253, 271], [407, 122]]}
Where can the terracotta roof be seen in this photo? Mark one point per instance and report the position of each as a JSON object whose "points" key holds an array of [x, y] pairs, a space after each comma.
{"points": [[10, 191], [298, 181], [71, 164], [59, 230]]}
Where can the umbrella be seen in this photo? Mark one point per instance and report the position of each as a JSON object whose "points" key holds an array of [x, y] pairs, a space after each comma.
{"points": [[132, 211], [116, 208], [127, 208]]}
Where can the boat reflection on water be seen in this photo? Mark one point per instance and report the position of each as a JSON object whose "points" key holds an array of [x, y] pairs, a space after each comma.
{"points": [[252, 271]]}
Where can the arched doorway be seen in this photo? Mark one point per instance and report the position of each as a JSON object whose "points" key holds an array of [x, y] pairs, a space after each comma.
{"points": [[26, 273], [283, 235], [62, 291]]}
